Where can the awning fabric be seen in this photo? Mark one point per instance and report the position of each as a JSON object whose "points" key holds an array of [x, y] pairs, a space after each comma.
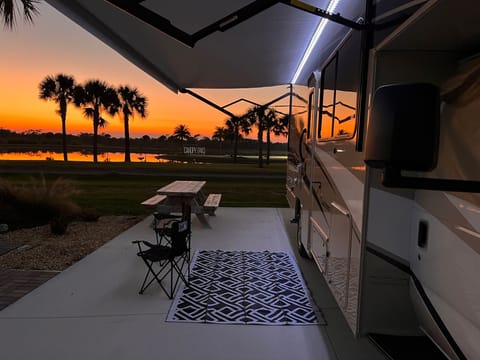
{"points": [[261, 51]]}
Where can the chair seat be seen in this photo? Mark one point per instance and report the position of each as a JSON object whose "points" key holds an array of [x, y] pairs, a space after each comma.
{"points": [[161, 252], [156, 253]]}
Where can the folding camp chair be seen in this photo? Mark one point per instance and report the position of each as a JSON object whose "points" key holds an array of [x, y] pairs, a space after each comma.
{"points": [[168, 258], [160, 219]]}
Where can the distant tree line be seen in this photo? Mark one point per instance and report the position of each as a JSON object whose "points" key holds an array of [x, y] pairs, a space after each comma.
{"points": [[35, 140], [96, 98], [265, 120]]}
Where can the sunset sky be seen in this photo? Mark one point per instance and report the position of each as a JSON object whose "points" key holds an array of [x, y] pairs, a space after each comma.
{"points": [[54, 44]]}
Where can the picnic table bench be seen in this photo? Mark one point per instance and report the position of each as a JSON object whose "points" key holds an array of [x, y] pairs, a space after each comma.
{"points": [[154, 200], [211, 203]]}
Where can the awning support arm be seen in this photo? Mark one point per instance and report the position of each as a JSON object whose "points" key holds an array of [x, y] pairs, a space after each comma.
{"points": [[266, 105], [239, 100], [297, 4], [134, 8], [150, 17], [208, 102], [222, 108]]}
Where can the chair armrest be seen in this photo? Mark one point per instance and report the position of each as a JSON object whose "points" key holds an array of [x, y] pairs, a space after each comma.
{"points": [[138, 242]]}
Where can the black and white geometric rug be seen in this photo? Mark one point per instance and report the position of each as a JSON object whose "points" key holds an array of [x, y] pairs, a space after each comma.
{"points": [[244, 287]]}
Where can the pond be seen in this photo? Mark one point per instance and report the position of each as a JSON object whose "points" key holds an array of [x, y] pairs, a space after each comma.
{"points": [[81, 156]]}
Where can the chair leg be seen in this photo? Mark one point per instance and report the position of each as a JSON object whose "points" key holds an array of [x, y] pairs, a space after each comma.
{"points": [[155, 276]]}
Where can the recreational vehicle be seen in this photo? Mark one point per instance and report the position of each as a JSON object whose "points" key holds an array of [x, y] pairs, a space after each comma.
{"points": [[384, 176], [383, 171]]}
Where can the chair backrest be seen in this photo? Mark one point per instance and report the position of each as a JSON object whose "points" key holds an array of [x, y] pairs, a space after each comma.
{"points": [[180, 234]]}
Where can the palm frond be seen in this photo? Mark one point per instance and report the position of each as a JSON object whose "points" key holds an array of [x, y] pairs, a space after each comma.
{"points": [[88, 112], [9, 10]]}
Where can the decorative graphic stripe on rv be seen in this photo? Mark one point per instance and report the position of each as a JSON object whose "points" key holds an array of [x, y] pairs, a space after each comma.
{"points": [[424, 297]]}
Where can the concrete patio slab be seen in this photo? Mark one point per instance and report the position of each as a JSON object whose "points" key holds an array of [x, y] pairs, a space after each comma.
{"points": [[92, 310]]}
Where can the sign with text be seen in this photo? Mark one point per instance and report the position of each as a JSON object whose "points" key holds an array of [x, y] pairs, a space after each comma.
{"points": [[194, 150]]}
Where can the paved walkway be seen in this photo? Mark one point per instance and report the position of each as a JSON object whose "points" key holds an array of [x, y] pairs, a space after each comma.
{"points": [[14, 284]]}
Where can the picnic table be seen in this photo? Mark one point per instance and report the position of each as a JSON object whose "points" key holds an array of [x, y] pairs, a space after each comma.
{"points": [[185, 196]]}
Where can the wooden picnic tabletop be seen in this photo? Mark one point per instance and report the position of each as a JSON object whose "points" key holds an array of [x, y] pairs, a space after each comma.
{"points": [[182, 188]]}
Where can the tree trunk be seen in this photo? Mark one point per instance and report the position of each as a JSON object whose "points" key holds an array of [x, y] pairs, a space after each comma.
{"points": [[268, 146], [127, 137], [96, 122], [63, 115], [95, 140], [260, 146], [235, 144]]}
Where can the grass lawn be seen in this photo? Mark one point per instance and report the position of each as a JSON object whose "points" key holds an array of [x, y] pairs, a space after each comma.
{"points": [[118, 189]]}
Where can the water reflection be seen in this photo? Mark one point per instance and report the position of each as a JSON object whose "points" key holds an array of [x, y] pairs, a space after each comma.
{"points": [[116, 157], [83, 156]]}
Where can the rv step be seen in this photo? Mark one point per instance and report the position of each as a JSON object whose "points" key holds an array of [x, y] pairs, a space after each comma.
{"points": [[407, 347]]}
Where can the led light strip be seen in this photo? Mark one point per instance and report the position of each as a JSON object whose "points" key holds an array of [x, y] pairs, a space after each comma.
{"points": [[313, 41]]}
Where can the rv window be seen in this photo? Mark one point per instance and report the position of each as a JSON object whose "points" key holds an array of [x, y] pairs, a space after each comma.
{"points": [[327, 116], [311, 109], [340, 83]]}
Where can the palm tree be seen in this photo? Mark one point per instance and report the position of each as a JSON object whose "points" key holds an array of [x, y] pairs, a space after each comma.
{"points": [[181, 133], [96, 97], [131, 102], [256, 116], [270, 120], [220, 135], [234, 126], [60, 89], [9, 9], [280, 127]]}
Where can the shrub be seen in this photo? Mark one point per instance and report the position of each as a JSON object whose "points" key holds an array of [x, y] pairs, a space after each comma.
{"points": [[37, 203]]}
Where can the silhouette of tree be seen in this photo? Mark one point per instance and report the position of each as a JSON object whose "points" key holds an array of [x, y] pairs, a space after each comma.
{"points": [[181, 133], [10, 8], [96, 97], [280, 127], [220, 134], [234, 126], [131, 102], [270, 118], [59, 89], [256, 116]]}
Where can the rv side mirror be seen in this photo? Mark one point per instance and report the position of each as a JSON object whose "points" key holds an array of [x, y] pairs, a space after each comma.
{"points": [[403, 130], [403, 134]]}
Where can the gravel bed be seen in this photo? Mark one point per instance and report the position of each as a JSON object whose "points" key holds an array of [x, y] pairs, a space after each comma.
{"points": [[38, 249]]}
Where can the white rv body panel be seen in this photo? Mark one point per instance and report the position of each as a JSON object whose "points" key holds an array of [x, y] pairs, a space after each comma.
{"points": [[399, 261], [350, 186], [390, 222], [448, 270]]}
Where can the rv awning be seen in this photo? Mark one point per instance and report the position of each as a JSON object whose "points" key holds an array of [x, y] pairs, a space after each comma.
{"points": [[263, 50]]}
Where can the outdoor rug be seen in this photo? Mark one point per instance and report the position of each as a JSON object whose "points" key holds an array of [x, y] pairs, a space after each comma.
{"points": [[244, 287]]}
